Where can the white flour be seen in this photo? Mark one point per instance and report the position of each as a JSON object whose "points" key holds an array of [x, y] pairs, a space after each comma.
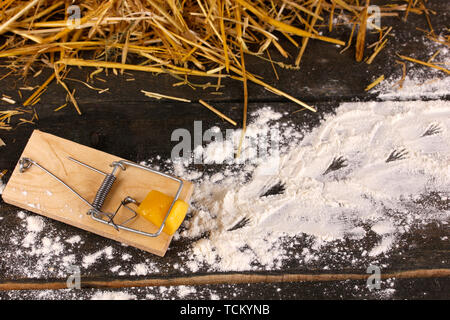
{"points": [[35, 224], [367, 195], [140, 269], [184, 291], [414, 87], [104, 295], [74, 239], [92, 258], [36, 252], [338, 290], [420, 82], [392, 153]]}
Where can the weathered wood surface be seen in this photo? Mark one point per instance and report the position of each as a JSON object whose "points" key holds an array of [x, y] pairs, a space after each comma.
{"points": [[427, 288], [419, 249], [126, 123]]}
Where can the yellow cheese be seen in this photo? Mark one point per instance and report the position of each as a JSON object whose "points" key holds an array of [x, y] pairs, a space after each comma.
{"points": [[155, 206]]}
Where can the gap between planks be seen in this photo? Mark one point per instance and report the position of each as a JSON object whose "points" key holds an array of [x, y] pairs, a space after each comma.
{"points": [[234, 278]]}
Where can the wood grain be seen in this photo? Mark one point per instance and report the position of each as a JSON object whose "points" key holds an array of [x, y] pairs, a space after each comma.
{"points": [[125, 122], [231, 278], [36, 191]]}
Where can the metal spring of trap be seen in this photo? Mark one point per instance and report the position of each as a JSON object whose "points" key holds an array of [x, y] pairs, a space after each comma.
{"points": [[95, 210]]}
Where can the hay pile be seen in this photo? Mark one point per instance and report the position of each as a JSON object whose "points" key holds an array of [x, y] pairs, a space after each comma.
{"points": [[182, 37]]}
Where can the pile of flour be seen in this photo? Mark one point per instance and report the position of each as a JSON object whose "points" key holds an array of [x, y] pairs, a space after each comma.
{"points": [[367, 167]]}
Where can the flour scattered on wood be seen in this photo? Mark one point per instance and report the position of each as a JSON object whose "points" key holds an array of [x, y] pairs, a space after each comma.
{"points": [[37, 250], [184, 291], [309, 193], [420, 82], [340, 290], [126, 257], [140, 269], [115, 269], [35, 223], [74, 239], [93, 258], [385, 245], [368, 168], [416, 85], [113, 296], [21, 214]]}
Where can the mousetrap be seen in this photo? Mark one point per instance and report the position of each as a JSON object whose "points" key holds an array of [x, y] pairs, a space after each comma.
{"points": [[98, 192]]}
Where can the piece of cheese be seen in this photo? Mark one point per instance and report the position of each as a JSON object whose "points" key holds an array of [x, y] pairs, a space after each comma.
{"points": [[155, 206]]}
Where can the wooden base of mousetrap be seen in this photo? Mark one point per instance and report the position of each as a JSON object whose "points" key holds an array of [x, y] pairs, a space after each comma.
{"points": [[38, 192]]}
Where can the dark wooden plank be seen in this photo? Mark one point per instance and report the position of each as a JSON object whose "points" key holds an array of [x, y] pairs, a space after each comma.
{"points": [[125, 123], [389, 289], [142, 131]]}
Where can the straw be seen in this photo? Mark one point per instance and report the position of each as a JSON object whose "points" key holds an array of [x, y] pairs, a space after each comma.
{"points": [[220, 114], [201, 38]]}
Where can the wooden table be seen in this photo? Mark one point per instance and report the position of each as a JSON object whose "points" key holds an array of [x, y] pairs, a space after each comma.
{"points": [[124, 122]]}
